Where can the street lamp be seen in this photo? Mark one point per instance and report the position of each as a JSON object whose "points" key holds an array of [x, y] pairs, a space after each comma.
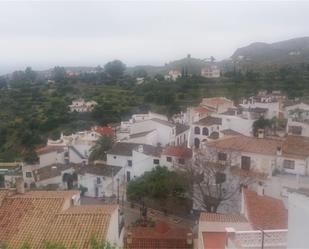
{"points": [[117, 190]]}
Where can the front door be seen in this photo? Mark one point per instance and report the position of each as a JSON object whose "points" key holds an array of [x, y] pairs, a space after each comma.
{"points": [[128, 176]]}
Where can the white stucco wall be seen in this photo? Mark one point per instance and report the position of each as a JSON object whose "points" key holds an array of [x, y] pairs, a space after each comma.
{"points": [[165, 134], [117, 160], [304, 126], [141, 163], [298, 221], [150, 138], [51, 158], [242, 126], [112, 235]]}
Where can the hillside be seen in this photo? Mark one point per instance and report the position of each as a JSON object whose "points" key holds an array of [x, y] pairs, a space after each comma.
{"points": [[192, 65], [283, 52]]}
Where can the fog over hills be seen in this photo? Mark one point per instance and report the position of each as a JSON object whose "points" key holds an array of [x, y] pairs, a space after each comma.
{"points": [[284, 52]]}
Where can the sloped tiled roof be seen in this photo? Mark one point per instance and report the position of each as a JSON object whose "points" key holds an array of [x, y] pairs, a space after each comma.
{"points": [[50, 148], [217, 217], [201, 109], [125, 149], [163, 122], [230, 132], [26, 220], [248, 144], [105, 130], [178, 151], [159, 237], [296, 146], [180, 128], [39, 216], [75, 226], [265, 212], [141, 134], [100, 169], [209, 121], [50, 171]]}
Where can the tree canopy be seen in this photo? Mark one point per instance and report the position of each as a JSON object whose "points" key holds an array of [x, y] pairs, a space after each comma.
{"points": [[158, 184], [115, 69]]}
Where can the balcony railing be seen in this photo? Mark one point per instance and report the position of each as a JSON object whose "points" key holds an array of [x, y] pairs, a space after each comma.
{"points": [[253, 239]]}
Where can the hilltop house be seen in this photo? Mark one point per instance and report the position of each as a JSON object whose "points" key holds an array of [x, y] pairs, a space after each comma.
{"points": [[210, 72], [80, 105], [298, 119], [173, 75]]}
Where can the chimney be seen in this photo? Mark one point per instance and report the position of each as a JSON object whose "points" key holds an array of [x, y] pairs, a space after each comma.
{"points": [[129, 238], [260, 189], [279, 151], [189, 239], [20, 186], [140, 148], [230, 231], [261, 133]]}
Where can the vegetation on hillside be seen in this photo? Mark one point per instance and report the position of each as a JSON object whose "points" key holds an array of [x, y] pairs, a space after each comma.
{"points": [[34, 108]]}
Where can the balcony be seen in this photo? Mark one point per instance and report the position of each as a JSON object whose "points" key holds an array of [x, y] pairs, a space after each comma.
{"points": [[276, 239]]}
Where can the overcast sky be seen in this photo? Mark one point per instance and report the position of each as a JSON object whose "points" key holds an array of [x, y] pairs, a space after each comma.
{"points": [[45, 34]]}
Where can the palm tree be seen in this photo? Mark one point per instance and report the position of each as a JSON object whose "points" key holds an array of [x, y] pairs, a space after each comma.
{"points": [[98, 151]]}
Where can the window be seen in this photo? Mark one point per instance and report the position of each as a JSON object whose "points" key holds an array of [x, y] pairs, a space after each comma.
{"points": [[29, 174], [128, 176], [98, 180], [205, 131], [289, 164], [130, 163], [222, 156], [197, 130], [245, 162], [220, 178], [156, 161], [196, 143], [115, 157], [168, 159], [181, 161]]}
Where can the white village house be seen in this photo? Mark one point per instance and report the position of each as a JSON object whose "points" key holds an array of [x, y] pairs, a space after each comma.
{"points": [[80, 105]]}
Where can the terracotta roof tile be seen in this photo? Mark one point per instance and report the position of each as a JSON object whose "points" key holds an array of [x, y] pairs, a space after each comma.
{"points": [[39, 216], [248, 144], [159, 237], [105, 130], [217, 217], [178, 151], [201, 109], [214, 240], [76, 226], [49, 148], [209, 121], [296, 146], [264, 212]]}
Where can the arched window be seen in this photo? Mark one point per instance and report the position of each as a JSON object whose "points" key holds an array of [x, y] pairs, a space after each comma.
{"points": [[205, 131], [197, 130], [196, 143]]}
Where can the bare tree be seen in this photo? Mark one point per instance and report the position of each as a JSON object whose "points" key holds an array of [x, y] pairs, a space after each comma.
{"points": [[216, 182]]}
